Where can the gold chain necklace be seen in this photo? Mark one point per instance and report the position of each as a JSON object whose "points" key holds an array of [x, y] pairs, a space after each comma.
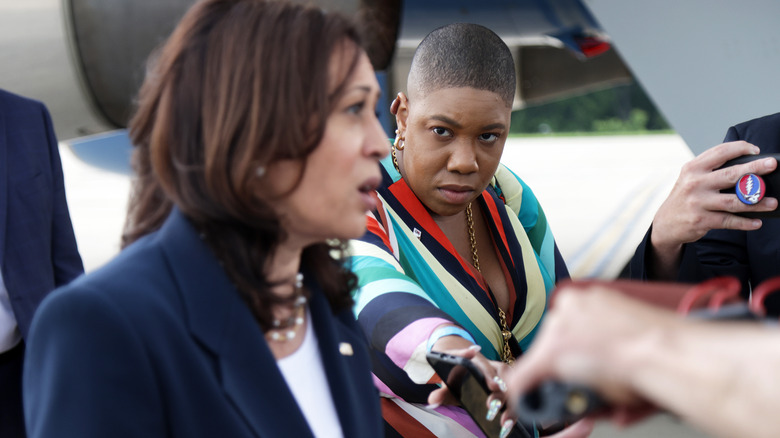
{"points": [[506, 353]]}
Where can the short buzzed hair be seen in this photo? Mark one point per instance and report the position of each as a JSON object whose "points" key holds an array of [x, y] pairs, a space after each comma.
{"points": [[463, 55]]}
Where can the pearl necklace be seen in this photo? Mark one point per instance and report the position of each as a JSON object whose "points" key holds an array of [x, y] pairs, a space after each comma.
{"points": [[286, 330]]}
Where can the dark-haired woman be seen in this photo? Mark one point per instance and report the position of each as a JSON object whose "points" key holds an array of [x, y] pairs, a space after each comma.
{"points": [[227, 315]]}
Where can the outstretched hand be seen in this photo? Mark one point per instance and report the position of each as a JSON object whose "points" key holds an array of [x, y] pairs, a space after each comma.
{"points": [[588, 338]]}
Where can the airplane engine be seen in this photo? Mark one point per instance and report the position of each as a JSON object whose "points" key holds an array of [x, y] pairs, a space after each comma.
{"points": [[85, 59]]}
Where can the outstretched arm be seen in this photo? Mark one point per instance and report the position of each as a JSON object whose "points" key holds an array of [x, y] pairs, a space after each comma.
{"points": [[720, 377]]}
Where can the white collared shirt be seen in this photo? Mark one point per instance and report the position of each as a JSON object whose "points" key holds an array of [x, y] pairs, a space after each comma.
{"points": [[9, 330]]}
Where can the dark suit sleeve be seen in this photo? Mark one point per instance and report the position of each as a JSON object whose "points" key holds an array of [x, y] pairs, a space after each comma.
{"points": [[65, 255], [87, 374], [637, 266]]}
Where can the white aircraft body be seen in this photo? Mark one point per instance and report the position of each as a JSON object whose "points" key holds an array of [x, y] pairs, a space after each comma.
{"points": [[707, 64]]}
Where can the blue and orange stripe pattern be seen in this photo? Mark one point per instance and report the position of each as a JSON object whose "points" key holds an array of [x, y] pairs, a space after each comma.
{"points": [[411, 280]]}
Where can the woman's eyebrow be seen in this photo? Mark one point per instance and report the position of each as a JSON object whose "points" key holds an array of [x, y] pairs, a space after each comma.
{"points": [[455, 124], [494, 126], [446, 120]]}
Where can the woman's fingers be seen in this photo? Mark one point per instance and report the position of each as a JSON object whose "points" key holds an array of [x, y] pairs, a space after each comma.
{"points": [[441, 396]]}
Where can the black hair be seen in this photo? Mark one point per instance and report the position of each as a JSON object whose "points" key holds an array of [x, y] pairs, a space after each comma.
{"points": [[463, 55]]}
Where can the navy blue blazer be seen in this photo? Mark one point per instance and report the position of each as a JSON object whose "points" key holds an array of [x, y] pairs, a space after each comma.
{"points": [[159, 343], [37, 246], [751, 256]]}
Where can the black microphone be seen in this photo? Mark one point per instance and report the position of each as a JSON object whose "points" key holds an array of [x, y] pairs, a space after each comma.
{"points": [[555, 403]]}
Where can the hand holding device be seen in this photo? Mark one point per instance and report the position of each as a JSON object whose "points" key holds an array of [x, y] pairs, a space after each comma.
{"points": [[557, 402], [467, 383], [554, 401], [696, 204], [751, 188]]}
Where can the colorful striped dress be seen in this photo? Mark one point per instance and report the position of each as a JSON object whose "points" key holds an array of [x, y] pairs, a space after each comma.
{"points": [[412, 280]]}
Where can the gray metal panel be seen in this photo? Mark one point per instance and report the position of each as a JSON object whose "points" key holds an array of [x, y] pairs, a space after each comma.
{"points": [[112, 40], [707, 64], [505, 17], [35, 62], [547, 73]]}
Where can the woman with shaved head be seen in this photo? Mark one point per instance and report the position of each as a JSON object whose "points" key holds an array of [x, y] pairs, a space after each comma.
{"points": [[459, 256]]}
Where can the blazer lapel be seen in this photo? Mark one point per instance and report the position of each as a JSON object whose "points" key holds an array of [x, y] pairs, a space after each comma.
{"points": [[223, 323], [343, 366], [252, 379], [3, 184]]}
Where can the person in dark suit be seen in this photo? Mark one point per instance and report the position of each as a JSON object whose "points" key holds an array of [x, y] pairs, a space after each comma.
{"points": [[696, 234], [38, 249], [229, 312]]}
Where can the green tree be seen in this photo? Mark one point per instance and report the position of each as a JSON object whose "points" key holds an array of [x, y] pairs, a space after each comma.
{"points": [[625, 108]]}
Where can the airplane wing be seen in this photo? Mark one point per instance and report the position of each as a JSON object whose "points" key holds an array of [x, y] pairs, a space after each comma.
{"points": [[707, 64]]}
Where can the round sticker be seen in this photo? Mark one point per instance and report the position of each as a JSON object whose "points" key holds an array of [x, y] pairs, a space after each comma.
{"points": [[750, 189]]}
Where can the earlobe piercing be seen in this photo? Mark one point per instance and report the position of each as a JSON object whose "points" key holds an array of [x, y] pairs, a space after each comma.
{"points": [[398, 143]]}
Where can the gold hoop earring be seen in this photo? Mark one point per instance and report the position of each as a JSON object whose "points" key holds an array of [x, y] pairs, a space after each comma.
{"points": [[398, 143], [395, 160]]}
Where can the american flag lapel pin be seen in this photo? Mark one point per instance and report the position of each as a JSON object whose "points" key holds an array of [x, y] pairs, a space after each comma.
{"points": [[345, 348]]}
